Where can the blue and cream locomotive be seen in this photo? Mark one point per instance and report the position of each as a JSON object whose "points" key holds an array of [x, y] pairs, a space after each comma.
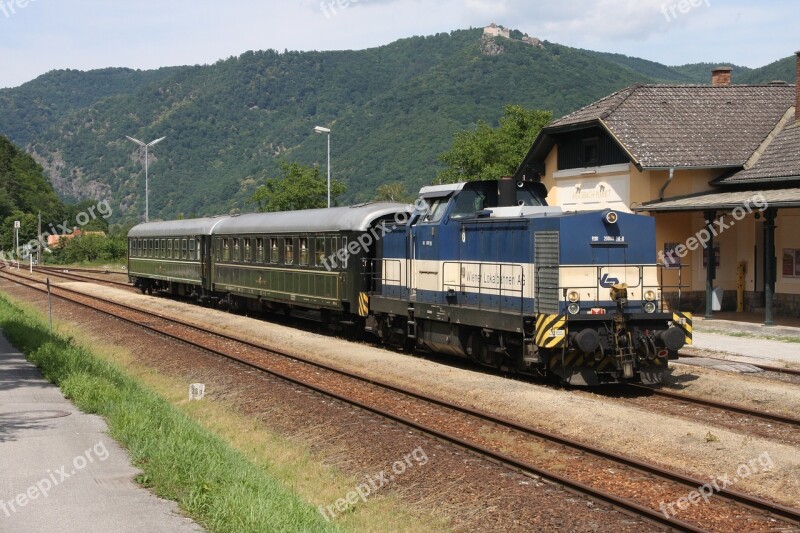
{"points": [[483, 270]]}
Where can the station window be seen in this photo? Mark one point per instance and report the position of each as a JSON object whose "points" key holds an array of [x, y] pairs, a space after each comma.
{"points": [[288, 250], [274, 255], [192, 249], [226, 250], [303, 250], [320, 251]]}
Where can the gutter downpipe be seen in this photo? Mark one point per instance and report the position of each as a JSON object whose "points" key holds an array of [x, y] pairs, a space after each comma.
{"points": [[666, 183]]}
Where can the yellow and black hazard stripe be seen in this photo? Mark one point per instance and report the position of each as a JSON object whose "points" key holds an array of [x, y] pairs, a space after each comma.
{"points": [[570, 359], [551, 330], [363, 304], [684, 322]]}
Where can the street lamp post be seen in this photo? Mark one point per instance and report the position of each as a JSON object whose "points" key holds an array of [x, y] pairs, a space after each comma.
{"points": [[320, 129], [146, 181]]}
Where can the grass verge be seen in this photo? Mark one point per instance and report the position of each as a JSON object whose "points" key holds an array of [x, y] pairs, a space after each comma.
{"points": [[180, 460]]}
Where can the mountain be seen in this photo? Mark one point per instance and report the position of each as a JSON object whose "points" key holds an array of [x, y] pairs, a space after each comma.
{"points": [[392, 110]]}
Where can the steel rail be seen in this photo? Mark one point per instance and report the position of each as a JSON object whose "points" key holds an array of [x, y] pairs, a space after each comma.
{"points": [[790, 371]]}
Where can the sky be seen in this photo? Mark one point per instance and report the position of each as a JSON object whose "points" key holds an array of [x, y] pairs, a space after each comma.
{"points": [[37, 36]]}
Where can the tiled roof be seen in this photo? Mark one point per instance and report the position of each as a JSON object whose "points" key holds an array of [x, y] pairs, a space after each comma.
{"points": [[756, 200], [780, 160], [688, 125]]}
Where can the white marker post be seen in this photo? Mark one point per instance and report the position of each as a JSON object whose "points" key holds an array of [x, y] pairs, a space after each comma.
{"points": [[16, 241]]}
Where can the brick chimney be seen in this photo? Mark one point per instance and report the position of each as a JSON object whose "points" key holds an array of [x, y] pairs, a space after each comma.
{"points": [[721, 76]]}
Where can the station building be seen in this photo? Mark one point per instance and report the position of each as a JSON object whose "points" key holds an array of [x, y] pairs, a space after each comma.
{"points": [[717, 165]]}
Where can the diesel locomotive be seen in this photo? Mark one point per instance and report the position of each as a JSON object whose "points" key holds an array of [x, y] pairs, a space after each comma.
{"points": [[484, 270]]}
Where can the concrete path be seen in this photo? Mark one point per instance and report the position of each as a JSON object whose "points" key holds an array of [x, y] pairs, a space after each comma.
{"points": [[761, 350], [59, 469]]}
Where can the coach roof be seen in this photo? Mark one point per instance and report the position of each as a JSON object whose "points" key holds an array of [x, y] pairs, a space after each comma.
{"points": [[176, 228], [355, 218]]}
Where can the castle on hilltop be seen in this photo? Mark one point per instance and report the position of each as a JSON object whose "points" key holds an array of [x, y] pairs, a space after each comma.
{"points": [[491, 47], [493, 30]]}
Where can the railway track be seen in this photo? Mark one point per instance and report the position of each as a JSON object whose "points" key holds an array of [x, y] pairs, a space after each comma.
{"points": [[83, 270], [768, 368], [773, 417], [681, 483], [69, 274]]}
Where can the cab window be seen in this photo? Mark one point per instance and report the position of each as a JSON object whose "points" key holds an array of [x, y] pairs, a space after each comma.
{"points": [[436, 210]]}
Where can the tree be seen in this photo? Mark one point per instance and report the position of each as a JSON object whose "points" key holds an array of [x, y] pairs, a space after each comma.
{"points": [[301, 187], [392, 192], [488, 153]]}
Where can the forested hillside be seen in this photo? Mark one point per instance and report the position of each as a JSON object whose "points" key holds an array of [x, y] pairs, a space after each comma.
{"points": [[24, 192], [392, 110]]}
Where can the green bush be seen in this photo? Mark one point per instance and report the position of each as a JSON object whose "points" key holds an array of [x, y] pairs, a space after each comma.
{"points": [[89, 248]]}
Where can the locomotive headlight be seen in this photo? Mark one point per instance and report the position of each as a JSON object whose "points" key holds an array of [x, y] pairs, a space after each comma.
{"points": [[650, 307], [573, 296], [573, 308], [650, 296], [610, 217]]}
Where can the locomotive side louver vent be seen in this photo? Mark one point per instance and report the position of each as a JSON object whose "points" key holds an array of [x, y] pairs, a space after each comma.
{"points": [[546, 257]]}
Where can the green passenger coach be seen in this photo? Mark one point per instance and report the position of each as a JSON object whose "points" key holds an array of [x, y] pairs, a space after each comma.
{"points": [[171, 256], [310, 260]]}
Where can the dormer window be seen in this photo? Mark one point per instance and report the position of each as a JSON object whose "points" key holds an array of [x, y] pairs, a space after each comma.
{"points": [[590, 150]]}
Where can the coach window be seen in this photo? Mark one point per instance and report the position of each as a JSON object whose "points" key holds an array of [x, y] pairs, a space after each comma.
{"points": [[334, 249], [192, 248], [274, 255], [248, 251], [184, 247], [320, 251], [303, 250], [236, 254], [218, 249], [288, 251], [260, 250], [226, 250]]}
